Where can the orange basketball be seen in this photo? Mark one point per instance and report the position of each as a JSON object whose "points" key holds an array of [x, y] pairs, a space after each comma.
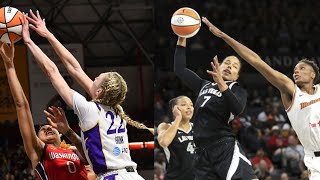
{"points": [[10, 25], [185, 22]]}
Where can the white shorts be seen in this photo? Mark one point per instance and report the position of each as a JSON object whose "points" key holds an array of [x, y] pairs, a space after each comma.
{"points": [[313, 165], [120, 174]]}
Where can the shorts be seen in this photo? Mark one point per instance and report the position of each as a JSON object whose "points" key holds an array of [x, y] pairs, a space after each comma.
{"points": [[313, 165], [120, 174], [222, 160]]}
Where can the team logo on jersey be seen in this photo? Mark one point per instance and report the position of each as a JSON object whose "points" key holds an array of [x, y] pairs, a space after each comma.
{"points": [[185, 138], [306, 104], [58, 155], [211, 91], [116, 151]]}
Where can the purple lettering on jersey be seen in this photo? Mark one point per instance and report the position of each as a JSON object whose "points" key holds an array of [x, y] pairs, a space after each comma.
{"points": [[94, 147], [111, 131], [121, 129]]}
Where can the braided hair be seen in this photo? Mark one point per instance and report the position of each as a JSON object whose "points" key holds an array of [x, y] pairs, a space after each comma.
{"points": [[114, 92]]}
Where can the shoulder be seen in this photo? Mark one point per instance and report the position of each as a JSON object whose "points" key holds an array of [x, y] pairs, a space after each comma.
{"points": [[163, 126], [236, 87]]}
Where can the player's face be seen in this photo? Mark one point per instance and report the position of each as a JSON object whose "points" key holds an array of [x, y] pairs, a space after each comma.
{"points": [[48, 134], [230, 68], [303, 73], [96, 86], [186, 107]]}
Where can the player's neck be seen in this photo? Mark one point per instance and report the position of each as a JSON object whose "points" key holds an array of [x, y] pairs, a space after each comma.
{"points": [[308, 88], [185, 125], [57, 144]]}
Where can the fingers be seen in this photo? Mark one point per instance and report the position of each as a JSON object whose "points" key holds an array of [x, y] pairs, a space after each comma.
{"points": [[31, 26], [176, 108], [55, 111], [61, 111], [215, 67], [49, 115], [216, 63], [32, 14], [31, 20], [38, 14], [50, 122], [204, 19]]}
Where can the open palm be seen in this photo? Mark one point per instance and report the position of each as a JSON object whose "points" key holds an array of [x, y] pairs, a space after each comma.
{"points": [[7, 52]]}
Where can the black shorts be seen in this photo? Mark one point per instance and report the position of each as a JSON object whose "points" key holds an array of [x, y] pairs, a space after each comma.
{"points": [[222, 160]]}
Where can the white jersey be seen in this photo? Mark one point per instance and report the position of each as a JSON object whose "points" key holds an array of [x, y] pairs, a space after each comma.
{"points": [[104, 135], [304, 115]]}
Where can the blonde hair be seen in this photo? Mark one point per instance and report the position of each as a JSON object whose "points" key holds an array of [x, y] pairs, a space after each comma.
{"points": [[114, 93]]}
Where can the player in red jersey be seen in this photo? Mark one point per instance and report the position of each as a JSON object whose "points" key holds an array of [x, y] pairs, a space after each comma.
{"points": [[43, 150]]}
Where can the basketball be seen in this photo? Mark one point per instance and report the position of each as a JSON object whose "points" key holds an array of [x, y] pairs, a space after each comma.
{"points": [[10, 25], [185, 22]]}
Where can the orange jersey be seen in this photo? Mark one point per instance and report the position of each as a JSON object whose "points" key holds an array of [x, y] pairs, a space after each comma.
{"points": [[59, 163]]}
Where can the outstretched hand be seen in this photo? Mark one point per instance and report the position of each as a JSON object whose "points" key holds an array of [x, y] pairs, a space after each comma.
{"points": [[215, 73], [57, 119], [38, 24], [217, 32], [25, 29], [7, 52]]}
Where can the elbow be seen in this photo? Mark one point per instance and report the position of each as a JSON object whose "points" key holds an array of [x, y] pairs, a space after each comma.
{"points": [[163, 143], [22, 104], [51, 71], [238, 111]]}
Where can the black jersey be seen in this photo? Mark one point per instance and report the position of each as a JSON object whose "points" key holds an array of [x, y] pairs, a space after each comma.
{"points": [[213, 110], [179, 156]]}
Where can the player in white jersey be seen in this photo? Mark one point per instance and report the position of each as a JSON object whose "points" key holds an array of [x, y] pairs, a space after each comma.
{"points": [[300, 98], [102, 120]]}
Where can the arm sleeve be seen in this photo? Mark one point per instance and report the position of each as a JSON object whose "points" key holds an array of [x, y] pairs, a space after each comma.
{"points": [[236, 99], [83, 109], [190, 78]]}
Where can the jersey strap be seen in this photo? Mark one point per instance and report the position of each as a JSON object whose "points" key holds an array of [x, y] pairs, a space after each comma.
{"points": [[41, 172]]}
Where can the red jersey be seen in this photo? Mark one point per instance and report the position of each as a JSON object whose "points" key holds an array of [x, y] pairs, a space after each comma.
{"points": [[58, 164]]}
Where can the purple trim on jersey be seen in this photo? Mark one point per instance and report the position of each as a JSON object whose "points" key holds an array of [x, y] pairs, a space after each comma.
{"points": [[98, 106], [94, 147], [110, 177]]}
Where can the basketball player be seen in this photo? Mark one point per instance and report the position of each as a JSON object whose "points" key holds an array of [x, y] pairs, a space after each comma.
{"points": [[218, 154], [102, 120], [47, 158], [176, 139], [300, 98]]}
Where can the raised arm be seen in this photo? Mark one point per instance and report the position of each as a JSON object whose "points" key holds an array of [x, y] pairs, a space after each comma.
{"points": [[284, 84], [166, 132], [59, 121], [32, 144], [190, 78], [69, 61], [47, 66]]}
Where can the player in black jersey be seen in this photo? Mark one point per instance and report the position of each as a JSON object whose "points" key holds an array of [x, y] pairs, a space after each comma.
{"points": [[218, 154], [176, 139]]}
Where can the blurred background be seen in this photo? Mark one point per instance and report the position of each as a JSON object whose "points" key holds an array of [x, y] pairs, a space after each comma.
{"points": [[282, 33], [103, 35]]}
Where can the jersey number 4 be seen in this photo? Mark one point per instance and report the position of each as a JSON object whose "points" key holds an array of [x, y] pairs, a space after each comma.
{"points": [[190, 148], [114, 130], [206, 99]]}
